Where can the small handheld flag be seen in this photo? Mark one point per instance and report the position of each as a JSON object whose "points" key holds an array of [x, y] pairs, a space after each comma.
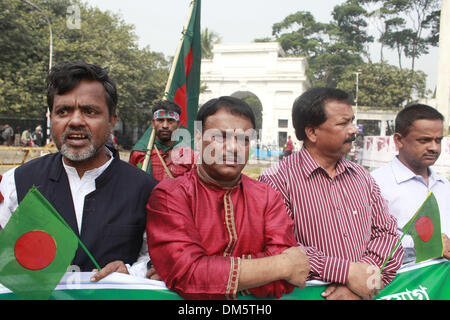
{"points": [[36, 247], [425, 229]]}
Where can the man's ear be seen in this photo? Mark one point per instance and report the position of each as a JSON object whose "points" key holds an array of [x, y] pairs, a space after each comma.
{"points": [[112, 122], [310, 133], [398, 140]]}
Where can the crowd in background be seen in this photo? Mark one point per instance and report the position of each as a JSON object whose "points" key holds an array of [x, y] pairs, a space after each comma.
{"points": [[25, 138]]}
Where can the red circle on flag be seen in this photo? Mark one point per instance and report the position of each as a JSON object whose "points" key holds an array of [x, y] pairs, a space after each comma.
{"points": [[35, 250], [424, 228]]}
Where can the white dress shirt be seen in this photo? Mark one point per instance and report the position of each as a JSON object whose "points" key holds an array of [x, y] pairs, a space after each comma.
{"points": [[405, 192], [79, 187]]}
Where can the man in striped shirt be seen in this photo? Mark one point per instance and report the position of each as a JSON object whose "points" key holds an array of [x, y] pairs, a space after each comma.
{"points": [[340, 216]]}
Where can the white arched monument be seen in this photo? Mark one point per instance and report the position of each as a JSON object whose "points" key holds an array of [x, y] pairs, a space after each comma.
{"points": [[262, 69]]}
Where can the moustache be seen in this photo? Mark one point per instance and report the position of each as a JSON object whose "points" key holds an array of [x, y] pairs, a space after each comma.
{"points": [[350, 139], [78, 132], [431, 154]]}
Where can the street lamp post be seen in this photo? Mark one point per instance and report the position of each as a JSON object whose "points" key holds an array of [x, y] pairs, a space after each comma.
{"points": [[356, 96], [50, 59]]}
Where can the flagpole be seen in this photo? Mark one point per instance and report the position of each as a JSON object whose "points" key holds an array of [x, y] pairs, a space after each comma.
{"points": [[169, 81], [163, 163], [149, 150], [177, 53]]}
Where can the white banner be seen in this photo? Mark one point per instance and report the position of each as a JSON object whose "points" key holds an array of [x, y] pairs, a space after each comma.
{"points": [[379, 151]]}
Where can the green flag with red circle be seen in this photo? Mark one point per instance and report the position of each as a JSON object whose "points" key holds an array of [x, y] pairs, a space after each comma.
{"points": [[36, 247], [425, 229], [184, 84]]}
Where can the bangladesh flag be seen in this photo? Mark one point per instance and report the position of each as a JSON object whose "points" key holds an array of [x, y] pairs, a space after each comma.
{"points": [[183, 86], [425, 229], [36, 247]]}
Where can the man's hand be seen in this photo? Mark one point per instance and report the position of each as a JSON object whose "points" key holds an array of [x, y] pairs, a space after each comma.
{"points": [[364, 280], [151, 274], [115, 266], [297, 264], [339, 292], [446, 243]]}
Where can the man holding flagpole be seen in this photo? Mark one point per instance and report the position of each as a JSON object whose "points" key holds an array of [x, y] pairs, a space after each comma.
{"points": [[170, 157], [183, 85]]}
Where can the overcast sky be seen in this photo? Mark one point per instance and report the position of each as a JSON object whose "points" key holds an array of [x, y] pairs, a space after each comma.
{"points": [[158, 23]]}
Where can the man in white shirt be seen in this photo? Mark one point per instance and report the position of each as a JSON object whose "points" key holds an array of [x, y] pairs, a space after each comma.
{"points": [[406, 181], [101, 197]]}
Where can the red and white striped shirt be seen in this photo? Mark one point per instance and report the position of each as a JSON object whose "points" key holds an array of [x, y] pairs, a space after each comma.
{"points": [[338, 220]]}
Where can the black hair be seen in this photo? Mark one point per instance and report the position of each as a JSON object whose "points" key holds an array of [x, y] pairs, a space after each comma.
{"points": [[64, 77], [413, 112], [233, 105], [309, 108], [166, 105]]}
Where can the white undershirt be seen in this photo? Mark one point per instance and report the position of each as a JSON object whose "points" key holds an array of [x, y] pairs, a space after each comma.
{"points": [[81, 187]]}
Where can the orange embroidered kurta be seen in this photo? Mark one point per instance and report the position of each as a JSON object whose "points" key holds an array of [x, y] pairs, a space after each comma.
{"points": [[198, 234]]}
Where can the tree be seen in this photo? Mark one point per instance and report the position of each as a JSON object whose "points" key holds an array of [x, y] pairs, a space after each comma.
{"points": [[335, 50], [411, 26], [383, 85], [254, 103], [350, 19], [209, 39], [103, 38], [300, 34], [256, 106], [329, 47], [24, 46]]}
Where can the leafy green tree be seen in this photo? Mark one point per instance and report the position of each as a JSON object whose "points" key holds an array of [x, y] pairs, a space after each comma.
{"points": [[24, 43], [384, 85], [102, 38], [209, 39], [329, 47], [254, 103], [300, 34], [335, 50], [351, 21], [256, 106], [411, 26]]}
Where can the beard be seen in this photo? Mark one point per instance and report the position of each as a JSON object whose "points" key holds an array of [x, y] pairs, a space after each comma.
{"points": [[78, 155], [163, 136]]}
